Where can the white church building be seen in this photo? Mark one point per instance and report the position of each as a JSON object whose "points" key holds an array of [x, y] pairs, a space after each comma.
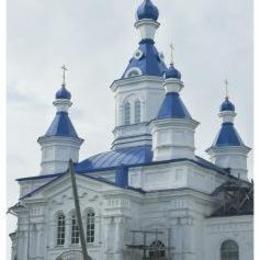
{"points": [[150, 196]]}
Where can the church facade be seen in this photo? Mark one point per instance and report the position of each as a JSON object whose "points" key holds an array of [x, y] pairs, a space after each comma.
{"points": [[150, 196]]}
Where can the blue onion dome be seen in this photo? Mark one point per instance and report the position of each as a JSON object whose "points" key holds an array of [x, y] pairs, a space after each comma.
{"points": [[63, 93], [172, 73], [227, 106], [147, 10]]}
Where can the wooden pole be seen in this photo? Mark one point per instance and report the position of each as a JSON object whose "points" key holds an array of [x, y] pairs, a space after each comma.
{"points": [[78, 213]]}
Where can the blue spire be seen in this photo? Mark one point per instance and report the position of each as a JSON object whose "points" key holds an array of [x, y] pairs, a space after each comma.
{"points": [[173, 107], [63, 93], [228, 135], [147, 10], [227, 106], [172, 73], [62, 126]]}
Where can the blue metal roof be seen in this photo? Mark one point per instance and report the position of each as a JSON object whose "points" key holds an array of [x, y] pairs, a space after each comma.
{"points": [[150, 62], [227, 106], [63, 93], [173, 107], [61, 126], [198, 160], [115, 158], [172, 73], [147, 10], [228, 136]]}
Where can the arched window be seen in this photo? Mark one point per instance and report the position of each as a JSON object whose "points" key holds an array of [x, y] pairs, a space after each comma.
{"points": [[61, 229], [157, 250], [137, 111], [74, 230], [127, 113], [229, 250], [90, 226], [134, 72], [71, 255]]}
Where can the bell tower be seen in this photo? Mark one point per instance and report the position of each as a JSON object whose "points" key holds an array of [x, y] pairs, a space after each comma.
{"points": [[139, 93]]}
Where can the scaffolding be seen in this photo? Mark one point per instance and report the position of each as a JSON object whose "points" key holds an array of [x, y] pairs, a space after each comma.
{"points": [[151, 251], [236, 198]]}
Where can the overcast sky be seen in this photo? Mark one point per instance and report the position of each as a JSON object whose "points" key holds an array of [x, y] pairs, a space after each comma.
{"points": [[95, 39]]}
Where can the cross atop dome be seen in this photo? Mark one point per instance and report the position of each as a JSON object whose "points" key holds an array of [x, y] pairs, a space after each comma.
{"points": [[64, 68], [172, 50], [172, 72], [227, 105], [226, 87], [63, 93]]}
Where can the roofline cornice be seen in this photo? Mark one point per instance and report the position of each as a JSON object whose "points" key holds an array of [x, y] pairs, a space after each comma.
{"points": [[134, 80]]}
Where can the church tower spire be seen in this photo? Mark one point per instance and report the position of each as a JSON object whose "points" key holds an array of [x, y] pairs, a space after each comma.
{"points": [[173, 129], [228, 150], [139, 93], [61, 142]]}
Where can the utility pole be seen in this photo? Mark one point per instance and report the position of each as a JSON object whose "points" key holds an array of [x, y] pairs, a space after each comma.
{"points": [[78, 213]]}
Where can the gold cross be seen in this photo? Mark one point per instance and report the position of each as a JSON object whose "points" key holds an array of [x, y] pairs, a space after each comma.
{"points": [[226, 88], [64, 68], [172, 49]]}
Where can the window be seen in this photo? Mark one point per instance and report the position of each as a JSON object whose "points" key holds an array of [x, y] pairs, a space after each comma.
{"points": [[157, 250], [137, 111], [61, 229], [134, 72], [229, 250], [74, 230], [90, 226], [71, 255], [127, 113]]}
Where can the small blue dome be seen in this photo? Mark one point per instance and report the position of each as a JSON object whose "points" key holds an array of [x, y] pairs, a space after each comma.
{"points": [[172, 73], [227, 106], [147, 10], [63, 93]]}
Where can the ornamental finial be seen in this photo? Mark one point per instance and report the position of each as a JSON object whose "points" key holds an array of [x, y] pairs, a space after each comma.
{"points": [[226, 87], [172, 49], [64, 68]]}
